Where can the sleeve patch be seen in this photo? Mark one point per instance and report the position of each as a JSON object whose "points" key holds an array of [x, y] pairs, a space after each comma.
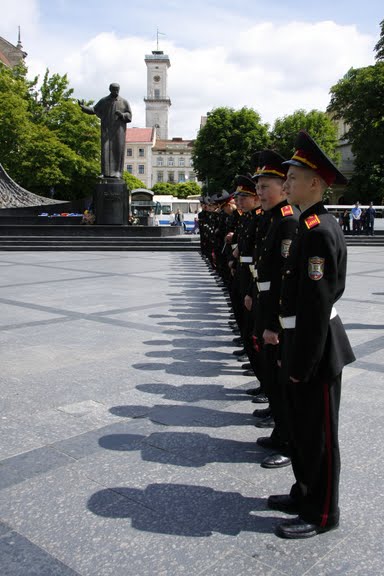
{"points": [[312, 221], [285, 246], [286, 210], [316, 267]]}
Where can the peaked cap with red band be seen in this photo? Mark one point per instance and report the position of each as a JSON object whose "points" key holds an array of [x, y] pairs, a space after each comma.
{"points": [[245, 185], [222, 197], [309, 155], [270, 164]]}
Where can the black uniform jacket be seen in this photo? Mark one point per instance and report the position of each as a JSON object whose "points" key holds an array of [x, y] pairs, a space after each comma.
{"points": [[313, 280], [272, 255]]}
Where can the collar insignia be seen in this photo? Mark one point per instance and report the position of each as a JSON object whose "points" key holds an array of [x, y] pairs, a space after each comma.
{"points": [[312, 221]]}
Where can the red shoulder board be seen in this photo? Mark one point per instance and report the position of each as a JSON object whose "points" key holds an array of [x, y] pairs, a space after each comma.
{"points": [[258, 211], [312, 221], [286, 210]]}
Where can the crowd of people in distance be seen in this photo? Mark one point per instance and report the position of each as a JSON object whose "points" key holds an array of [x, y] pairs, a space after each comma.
{"points": [[358, 220]]}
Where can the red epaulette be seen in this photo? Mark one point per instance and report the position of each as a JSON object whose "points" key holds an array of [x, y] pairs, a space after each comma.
{"points": [[286, 210], [312, 221]]}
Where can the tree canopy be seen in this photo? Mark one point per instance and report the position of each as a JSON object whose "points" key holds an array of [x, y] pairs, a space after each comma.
{"points": [[379, 47], [223, 146], [132, 181], [181, 190], [45, 140], [358, 100], [318, 124]]}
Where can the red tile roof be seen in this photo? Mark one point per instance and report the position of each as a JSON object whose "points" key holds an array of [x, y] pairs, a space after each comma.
{"points": [[139, 135]]}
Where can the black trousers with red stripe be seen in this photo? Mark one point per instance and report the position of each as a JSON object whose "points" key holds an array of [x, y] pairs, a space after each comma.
{"points": [[313, 418]]}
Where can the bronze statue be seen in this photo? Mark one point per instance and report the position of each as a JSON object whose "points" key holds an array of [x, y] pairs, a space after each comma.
{"points": [[114, 113]]}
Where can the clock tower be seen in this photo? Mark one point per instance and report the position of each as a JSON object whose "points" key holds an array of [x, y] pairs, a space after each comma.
{"points": [[157, 102]]}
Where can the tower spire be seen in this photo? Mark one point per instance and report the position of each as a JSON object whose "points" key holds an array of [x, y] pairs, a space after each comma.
{"points": [[158, 33], [19, 44]]}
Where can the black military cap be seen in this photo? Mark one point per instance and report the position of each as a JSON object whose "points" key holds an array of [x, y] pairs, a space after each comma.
{"points": [[309, 155], [222, 197], [271, 165], [245, 185]]}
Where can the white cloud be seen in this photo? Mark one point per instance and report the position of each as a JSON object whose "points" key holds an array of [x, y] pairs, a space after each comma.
{"points": [[274, 68]]}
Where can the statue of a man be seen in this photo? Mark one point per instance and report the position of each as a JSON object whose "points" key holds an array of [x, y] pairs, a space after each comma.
{"points": [[114, 113]]}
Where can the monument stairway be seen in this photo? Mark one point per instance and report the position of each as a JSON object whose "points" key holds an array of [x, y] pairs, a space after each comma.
{"points": [[92, 239]]}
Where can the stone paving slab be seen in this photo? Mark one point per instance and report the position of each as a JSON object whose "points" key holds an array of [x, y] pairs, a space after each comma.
{"points": [[127, 441]]}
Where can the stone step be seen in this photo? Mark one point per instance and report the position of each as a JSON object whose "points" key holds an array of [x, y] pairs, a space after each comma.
{"points": [[96, 248]]}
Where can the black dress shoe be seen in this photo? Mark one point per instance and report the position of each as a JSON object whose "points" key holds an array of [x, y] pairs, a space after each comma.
{"points": [[248, 373], [270, 443], [260, 399], [246, 366], [267, 422], [299, 528], [276, 461], [253, 391], [261, 413], [239, 352], [283, 503], [238, 341]]}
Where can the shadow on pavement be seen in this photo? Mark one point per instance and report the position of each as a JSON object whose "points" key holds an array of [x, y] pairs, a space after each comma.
{"points": [[175, 415], [194, 448], [183, 510], [194, 392]]}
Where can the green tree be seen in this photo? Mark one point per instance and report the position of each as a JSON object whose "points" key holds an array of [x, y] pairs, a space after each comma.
{"points": [[45, 140], [165, 188], [357, 99], [379, 48], [132, 182], [185, 189], [318, 124], [223, 146]]}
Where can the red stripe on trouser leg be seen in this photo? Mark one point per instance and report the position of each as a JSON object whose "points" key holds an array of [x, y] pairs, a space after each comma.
{"points": [[328, 448]]}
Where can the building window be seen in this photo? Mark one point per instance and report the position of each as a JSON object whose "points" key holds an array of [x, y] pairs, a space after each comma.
{"points": [[171, 161], [171, 176], [160, 161], [129, 152], [181, 176], [157, 94], [141, 152], [160, 176], [141, 168], [129, 168], [181, 161]]}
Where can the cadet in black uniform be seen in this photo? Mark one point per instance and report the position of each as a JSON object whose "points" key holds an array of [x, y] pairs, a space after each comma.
{"points": [[273, 249], [246, 189], [315, 347], [227, 207]]}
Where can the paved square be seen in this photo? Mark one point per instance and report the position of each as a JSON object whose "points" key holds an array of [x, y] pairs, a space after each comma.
{"points": [[127, 445]]}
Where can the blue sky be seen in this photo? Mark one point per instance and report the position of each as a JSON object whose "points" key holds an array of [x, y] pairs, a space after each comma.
{"points": [[275, 56]]}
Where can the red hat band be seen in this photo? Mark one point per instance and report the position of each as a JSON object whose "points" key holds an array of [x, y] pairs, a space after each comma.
{"points": [[326, 174]]}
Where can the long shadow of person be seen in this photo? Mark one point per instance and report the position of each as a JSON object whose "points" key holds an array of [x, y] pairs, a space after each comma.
{"points": [[194, 392], [183, 510], [193, 448], [190, 366], [176, 415]]}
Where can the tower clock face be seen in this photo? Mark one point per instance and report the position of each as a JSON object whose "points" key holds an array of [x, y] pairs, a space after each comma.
{"points": [[156, 78]]}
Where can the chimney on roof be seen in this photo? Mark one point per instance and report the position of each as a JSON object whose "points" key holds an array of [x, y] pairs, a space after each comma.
{"points": [[177, 139]]}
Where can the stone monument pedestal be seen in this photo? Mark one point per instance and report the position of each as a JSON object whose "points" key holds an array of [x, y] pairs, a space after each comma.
{"points": [[111, 202]]}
